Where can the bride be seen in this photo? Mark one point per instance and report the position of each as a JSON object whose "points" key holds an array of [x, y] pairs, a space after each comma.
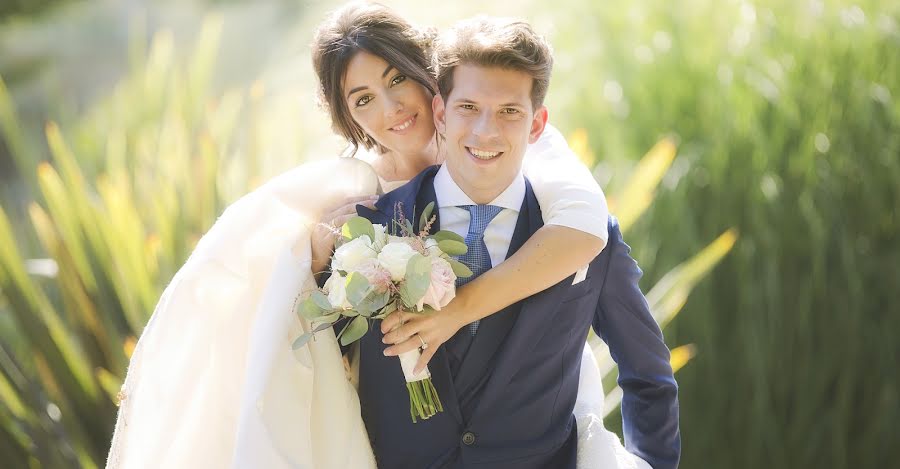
{"points": [[213, 381]]}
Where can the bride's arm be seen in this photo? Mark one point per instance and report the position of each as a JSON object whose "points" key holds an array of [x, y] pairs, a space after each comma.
{"points": [[575, 231], [352, 182]]}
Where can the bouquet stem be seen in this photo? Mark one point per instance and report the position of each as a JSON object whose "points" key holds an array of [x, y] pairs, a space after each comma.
{"points": [[424, 402]]}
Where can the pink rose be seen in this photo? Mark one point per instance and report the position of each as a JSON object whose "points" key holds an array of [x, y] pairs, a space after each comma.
{"points": [[378, 276], [442, 288]]}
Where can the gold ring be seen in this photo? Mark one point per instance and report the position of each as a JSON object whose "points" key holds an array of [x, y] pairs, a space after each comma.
{"points": [[424, 344]]}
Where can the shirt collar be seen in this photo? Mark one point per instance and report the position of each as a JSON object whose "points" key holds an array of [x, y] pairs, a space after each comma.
{"points": [[450, 195]]}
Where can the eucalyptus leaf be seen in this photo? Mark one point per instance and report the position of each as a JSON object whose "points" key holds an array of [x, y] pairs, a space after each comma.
{"points": [[409, 228], [426, 215], [452, 247], [330, 318], [388, 309], [301, 341], [447, 235], [418, 265], [373, 302], [322, 327], [418, 279], [321, 300], [308, 309], [357, 328], [406, 297], [357, 288], [460, 269], [356, 227]]}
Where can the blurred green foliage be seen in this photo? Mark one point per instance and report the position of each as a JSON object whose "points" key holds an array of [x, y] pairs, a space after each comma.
{"points": [[788, 119], [24, 7], [117, 221], [787, 123]]}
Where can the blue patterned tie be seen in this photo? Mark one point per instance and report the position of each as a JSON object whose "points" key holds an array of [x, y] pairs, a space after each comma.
{"points": [[477, 258]]}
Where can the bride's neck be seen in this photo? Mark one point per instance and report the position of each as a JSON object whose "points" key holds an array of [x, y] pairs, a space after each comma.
{"points": [[394, 166]]}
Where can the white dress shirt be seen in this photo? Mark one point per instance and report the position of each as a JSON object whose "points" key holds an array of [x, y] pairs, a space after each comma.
{"points": [[453, 218], [564, 187]]}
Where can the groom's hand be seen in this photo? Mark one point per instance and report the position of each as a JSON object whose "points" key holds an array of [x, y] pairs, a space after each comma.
{"points": [[403, 330]]}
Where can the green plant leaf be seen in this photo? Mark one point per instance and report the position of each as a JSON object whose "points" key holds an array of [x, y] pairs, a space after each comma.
{"points": [[460, 269], [418, 279], [453, 247], [670, 293], [357, 328], [426, 215], [321, 300], [357, 288], [330, 318], [388, 309], [374, 301], [447, 235], [301, 341], [308, 309], [356, 227], [632, 201]]}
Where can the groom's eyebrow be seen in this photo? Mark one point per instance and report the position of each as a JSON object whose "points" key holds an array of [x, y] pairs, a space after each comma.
{"points": [[470, 101]]}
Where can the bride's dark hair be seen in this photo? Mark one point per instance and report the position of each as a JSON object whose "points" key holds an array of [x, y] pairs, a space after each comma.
{"points": [[378, 30]]}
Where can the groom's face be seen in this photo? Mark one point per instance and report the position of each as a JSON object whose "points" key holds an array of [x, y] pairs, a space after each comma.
{"points": [[488, 121]]}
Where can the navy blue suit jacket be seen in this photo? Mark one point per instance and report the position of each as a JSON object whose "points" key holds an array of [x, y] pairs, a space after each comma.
{"points": [[510, 403]]}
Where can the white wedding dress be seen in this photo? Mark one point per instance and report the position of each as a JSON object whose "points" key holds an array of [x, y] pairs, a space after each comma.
{"points": [[213, 382]]}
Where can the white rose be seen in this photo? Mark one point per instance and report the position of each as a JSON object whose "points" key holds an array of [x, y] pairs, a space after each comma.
{"points": [[351, 255], [336, 288], [394, 256], [442, 288], [396, 239], [381, 237]]}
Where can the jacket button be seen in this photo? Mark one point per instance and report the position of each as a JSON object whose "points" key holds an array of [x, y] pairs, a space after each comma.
{"points": [[468, 438]]}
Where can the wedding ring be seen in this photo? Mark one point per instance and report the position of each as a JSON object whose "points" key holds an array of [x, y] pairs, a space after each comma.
{"points": [[424, 344]]}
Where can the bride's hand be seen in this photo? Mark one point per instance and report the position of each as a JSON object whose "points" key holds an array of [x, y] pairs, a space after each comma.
{"points": [[323, 236], [406, 331]]}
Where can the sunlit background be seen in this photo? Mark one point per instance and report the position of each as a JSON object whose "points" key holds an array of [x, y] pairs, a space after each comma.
{"points": [[751, 150]]}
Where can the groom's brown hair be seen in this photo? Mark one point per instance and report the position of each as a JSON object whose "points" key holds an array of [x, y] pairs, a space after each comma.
{"points": [[494, 42]]}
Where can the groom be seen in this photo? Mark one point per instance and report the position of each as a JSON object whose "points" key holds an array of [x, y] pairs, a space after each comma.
{"points": [[509, 382]]}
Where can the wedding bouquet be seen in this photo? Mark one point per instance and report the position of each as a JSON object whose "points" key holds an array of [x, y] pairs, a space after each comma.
{"points": [[375, 272]]}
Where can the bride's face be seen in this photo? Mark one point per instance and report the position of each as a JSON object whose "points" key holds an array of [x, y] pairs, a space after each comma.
{"points": [[392, 108]]}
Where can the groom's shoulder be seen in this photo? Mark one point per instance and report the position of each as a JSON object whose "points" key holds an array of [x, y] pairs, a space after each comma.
{"points": [[610, 260], [410, 189]]}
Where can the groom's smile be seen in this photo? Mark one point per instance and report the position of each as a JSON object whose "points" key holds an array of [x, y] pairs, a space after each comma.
{"points": [[488, 121], [483, 155]]}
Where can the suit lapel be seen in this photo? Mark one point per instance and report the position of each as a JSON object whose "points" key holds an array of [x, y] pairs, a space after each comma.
{"points": [[408, 195], [493, 330], [528, 326]]}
